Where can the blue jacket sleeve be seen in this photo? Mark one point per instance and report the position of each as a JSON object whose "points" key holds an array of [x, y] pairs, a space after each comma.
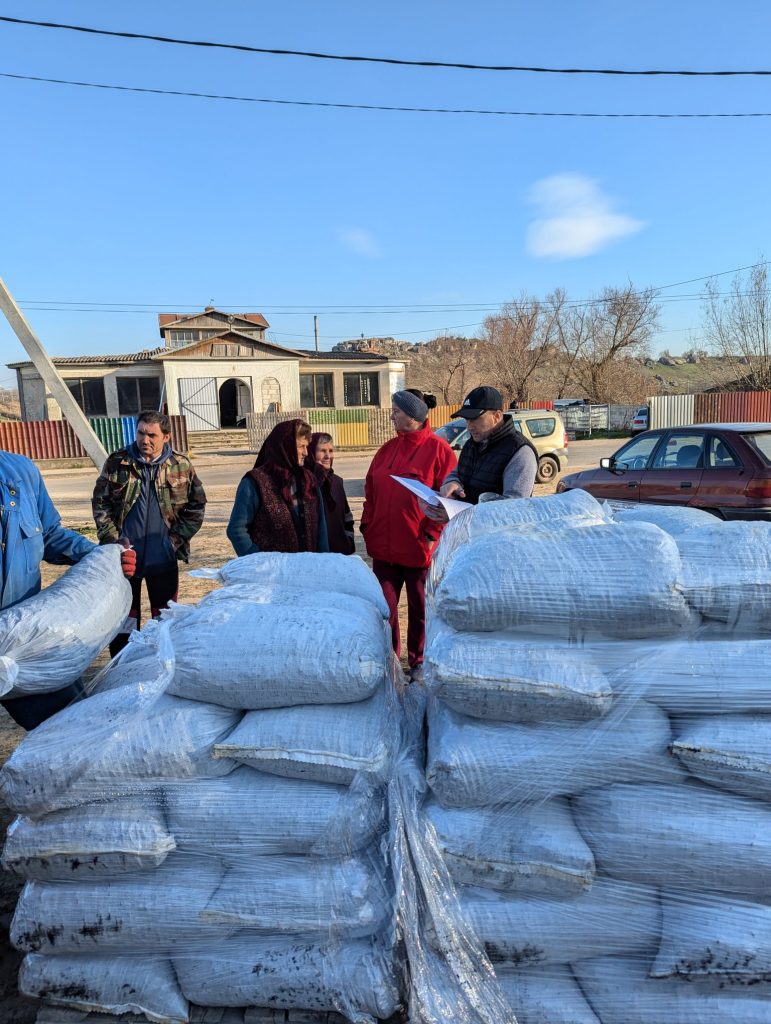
{"points": [[244, 510], [62, 546], [323, 538]]}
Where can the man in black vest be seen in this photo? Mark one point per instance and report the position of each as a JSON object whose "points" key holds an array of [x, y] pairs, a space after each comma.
{"points": [[496, 459]]}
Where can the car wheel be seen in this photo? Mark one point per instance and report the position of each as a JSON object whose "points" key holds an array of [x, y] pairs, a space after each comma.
{"points": [[547, 470]]}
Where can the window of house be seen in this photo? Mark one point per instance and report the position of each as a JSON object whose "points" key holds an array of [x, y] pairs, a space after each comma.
{"points": [[179, 338], [89, 394], [361, 389], [316, 391], [136, 394]]}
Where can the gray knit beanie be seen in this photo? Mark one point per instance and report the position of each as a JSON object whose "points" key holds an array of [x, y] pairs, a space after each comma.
{"points": [[411, 404]]}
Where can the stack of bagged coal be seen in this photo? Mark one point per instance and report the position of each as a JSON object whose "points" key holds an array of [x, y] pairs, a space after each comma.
{"points": [[599, 760], [209, 827]]}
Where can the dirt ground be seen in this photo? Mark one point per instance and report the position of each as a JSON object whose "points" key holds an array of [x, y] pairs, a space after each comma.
{"points": [[210, 548]]}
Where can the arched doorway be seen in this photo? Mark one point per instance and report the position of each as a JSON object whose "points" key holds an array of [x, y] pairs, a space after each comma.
{"points": [[235, 401]]}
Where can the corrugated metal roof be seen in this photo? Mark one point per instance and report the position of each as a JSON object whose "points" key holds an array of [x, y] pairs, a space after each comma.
{"points": [[125, 357], [360, 357]]}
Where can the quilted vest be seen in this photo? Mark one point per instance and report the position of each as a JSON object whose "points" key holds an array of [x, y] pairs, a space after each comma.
{"points": [[481, 464], [275, 527]]}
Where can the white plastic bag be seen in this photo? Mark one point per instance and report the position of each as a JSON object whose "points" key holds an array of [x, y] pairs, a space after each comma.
{"points": [[274, 573], [620, 990], [354, 977], [250, 813], [118, 984], [323, 743], [320, 648], [567, 583], [500, 677], [546, 995], [525, 848], [526, 932], [302, 896], [472, 763], [726, 573], [673, 519], [731, 752], [48, 640], [708, 936], [688, 837], [147, 912], [114, 744], [94, 840]]}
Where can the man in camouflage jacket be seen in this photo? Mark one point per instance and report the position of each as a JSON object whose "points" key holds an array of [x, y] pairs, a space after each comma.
{"points": [[149, 499]]}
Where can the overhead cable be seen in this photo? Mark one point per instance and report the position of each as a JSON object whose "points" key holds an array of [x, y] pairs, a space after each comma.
{"points": [[377, 106], [358, 58]]}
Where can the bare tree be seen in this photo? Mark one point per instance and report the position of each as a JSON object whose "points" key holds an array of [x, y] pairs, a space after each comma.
{"points": [[519, 342], [604, 340], [736, 327], [448, 367]]}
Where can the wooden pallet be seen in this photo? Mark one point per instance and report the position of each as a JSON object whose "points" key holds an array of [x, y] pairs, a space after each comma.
{"points": [[198, 1015]]}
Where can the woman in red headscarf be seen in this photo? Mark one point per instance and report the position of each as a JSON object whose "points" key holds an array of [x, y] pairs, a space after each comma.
{"points": [[321, 456], [278, 504]]}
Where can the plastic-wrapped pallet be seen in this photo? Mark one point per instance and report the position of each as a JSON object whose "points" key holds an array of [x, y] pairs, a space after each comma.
{"points": [[211, 826], [598, 773], [48, 640]]}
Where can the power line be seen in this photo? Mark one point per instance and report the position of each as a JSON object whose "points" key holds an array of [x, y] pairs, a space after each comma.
{"points": [[357, 58], [382, 107]]}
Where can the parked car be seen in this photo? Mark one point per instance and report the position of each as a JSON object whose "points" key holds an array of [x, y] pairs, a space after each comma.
{"points": [[542, 427], [640, 420], [723, 468]]}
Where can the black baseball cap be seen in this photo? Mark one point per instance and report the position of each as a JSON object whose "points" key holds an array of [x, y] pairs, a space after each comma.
{"points": [[478, 401]]}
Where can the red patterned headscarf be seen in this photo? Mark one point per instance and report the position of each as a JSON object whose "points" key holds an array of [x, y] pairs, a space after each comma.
{"points": [[278, 458]]}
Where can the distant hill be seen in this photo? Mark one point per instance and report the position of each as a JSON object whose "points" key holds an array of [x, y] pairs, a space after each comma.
{"points": [[676, 377]]}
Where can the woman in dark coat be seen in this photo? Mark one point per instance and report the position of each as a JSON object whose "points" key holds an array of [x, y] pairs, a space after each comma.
{"points": [[278, 504], [321, 456]]}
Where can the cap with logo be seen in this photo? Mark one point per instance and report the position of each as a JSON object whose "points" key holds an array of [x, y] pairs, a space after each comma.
{"points": [[480, 400]]}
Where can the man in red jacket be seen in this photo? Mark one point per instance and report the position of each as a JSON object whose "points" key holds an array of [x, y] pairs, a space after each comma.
{"points": [[399, 538]]}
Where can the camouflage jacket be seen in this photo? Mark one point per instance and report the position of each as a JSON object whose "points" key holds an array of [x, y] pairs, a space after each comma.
{"points": [[181, 498]]}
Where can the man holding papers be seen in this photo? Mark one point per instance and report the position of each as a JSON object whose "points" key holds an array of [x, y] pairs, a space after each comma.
{"points": [[496, 459]]}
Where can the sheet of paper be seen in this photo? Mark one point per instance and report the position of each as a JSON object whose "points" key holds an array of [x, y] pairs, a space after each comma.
{"points": [[451, 505]]}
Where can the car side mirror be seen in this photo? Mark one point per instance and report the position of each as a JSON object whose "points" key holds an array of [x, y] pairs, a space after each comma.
{"points": [[606, 463]]}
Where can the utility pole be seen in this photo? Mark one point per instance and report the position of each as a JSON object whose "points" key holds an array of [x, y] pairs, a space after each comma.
{"points": [[316, 331], [33, 346]]}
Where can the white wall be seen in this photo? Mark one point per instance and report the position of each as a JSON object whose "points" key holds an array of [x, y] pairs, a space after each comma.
{"points": [[251, 371]]}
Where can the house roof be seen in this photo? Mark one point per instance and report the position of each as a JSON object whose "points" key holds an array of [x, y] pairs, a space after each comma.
{"points": [[172, 319], [359, 357], [127, 357], [166, 353]]}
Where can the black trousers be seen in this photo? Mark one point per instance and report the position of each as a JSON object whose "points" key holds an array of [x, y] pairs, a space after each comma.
{"points": [[30, 712], [162, 587]]}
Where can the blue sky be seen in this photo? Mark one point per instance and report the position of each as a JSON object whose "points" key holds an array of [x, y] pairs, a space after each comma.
{"points": [[166, 203]]}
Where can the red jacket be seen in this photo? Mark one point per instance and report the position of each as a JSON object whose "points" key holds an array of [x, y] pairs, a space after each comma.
{"points": [[394, 528]]}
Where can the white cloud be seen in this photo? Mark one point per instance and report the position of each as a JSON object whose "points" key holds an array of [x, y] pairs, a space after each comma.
{"points": [[360, 241], [576, 218]]}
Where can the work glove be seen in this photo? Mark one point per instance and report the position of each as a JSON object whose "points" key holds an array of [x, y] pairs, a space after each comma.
{"points": [[128, 560]]}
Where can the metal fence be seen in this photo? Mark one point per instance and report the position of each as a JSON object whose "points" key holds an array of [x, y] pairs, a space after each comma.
{"points": [[55, 439], [712, 407], [587, 419]]}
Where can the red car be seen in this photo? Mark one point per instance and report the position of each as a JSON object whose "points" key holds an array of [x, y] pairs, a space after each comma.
{"points": [[723, 468]]}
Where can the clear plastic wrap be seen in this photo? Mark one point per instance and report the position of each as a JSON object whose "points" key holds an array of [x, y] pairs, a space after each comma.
{"points": [[162, 871], [48, 640], [568, 583], [599, 767]]}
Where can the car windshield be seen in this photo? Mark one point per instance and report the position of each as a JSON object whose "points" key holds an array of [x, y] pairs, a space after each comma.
{"points": [[450, 431], [761, 442]]}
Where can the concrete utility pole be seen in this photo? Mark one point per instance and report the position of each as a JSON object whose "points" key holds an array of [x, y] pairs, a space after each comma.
{"points": [[52, 378], [316, 331]]}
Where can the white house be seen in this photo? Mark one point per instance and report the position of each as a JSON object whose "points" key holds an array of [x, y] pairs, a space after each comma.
{"points": [[214, 368]]}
